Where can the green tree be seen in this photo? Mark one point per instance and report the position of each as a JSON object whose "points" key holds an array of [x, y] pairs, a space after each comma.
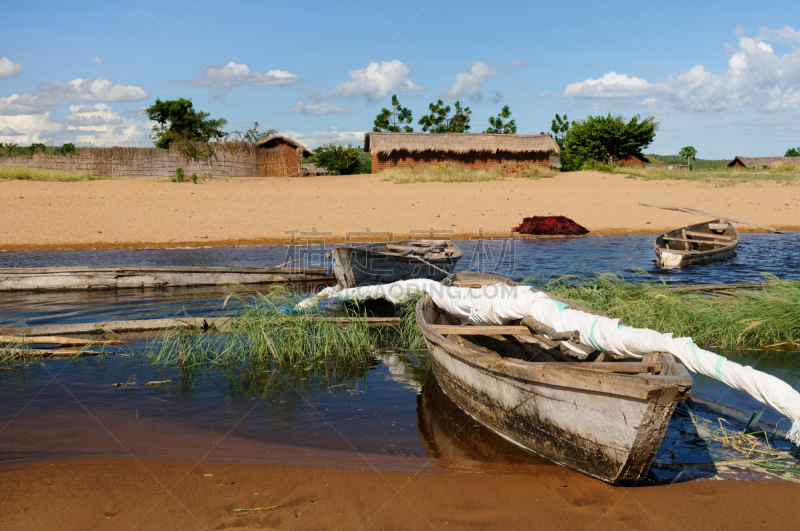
{"points": [[439, 121], [395, 119], [178, 121], [338, 159], [559, 128], [608, 139], [793, 152], [253, 135], [498, 126], [688, 153]]}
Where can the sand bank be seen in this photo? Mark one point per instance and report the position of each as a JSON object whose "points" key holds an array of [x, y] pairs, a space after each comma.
{"points": [[153, 212], [171, 494]]}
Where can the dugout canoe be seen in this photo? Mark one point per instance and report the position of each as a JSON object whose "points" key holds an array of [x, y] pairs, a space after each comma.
{"points": [[696, 244], [605, 419], [383, 263]]}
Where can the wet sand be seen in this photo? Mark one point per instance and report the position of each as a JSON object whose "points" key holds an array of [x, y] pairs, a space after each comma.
{"points": [[169, 494], [156, 213]]}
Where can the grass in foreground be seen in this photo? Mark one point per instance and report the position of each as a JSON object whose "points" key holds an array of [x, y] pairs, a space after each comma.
{"points": [[453, 173], [769, 318], [719, 177], [27, 174], [262, 337]]}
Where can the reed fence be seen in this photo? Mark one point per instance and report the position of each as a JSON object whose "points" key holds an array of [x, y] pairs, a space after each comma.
{"points": [[224, 160]]}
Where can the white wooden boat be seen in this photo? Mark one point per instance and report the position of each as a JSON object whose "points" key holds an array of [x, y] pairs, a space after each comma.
{"points": [[696, 244], [382, 263], [603, 418]]}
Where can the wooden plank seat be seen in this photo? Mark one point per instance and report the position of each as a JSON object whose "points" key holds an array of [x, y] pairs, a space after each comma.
{"points": [[674, 239], [707, 235]]}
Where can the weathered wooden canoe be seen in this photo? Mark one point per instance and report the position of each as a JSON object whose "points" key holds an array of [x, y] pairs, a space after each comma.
{"points": [[696, 244], [383, 263], [605, 419], [121, 277]]}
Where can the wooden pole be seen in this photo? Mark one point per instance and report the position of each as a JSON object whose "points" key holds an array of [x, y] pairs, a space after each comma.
{"points": [[144, 325], [700, 213], [57, 340]]}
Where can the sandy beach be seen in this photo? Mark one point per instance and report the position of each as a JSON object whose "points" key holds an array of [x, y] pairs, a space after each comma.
{"points": [[157, 213], [130, 493]]}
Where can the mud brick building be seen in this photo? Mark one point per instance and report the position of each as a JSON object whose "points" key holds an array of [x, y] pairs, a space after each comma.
{"points": [[480, 151]]}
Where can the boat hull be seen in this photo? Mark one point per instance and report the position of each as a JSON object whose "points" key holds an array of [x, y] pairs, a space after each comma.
{"points": [[360, 266], [695, 244], [610, 428]]}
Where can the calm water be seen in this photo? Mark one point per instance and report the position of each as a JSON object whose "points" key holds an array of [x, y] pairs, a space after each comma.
{"points": [[387, 413]]}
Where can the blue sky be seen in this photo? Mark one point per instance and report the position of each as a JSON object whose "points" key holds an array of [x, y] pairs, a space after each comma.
{"points": [[723, 77]]}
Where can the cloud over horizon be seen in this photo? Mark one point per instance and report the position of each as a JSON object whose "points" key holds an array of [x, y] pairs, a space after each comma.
{"points": [[316, 109], [78, 89], [756, 77], [376, 81], [470, 85], [239, 74], [9, 68]]}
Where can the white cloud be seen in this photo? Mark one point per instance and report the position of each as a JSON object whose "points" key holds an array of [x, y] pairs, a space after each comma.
{"points": [[86, 125], [376, 81], [756, 77], [327, 136], [471, 85], [96, 60], [9, 68], [523, 64], [611, 85], [237, 75], [79, 89], [316, 109]]}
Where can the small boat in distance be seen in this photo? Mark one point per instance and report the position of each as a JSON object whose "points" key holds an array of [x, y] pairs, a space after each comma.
{"points": [[382, 263], [602, 417], [696, 244]]}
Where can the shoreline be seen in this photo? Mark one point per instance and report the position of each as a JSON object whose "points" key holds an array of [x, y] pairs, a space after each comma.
{"points": [[90, 493], [276, 242], [154, 213]]}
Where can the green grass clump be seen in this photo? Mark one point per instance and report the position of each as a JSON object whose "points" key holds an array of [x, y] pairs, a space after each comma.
{"points": [[261, 337], [719, 177], [770, 317], [454, 173], [28, 174]]}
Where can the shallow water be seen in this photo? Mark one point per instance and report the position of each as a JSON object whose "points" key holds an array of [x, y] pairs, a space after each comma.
{"points": [[628, 256], [387, 413]]}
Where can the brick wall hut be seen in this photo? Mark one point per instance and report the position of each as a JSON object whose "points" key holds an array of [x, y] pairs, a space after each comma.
{"points": [[278, 156], [480, 151]]}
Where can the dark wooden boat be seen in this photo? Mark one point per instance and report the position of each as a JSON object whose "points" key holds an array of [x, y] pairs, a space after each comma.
{"points": [[382, 263], [603, 418], [696, 244]]}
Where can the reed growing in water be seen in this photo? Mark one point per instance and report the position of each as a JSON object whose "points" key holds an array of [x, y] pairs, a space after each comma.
{"points": [[766, 318], [263, 335]]}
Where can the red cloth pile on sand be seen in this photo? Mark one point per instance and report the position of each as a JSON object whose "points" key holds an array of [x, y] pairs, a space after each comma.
{"points": [[550, 225]]}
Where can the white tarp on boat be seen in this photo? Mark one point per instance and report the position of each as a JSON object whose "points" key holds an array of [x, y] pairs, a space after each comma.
{"points": [[499, 304]]}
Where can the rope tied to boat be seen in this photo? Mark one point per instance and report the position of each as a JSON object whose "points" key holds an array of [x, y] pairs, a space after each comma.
{"points": [[500, 304]]}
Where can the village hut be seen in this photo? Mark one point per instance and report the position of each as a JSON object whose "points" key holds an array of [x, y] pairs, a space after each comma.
{"points": [[278, 156], [762, 162], [480, 151]]}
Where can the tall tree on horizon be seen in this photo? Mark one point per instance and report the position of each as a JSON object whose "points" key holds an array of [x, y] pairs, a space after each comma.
{"points": [[499, 127], [439, 121], [394, 119]]}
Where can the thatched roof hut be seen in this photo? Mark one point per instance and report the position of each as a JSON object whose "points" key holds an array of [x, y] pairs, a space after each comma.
{"points": [[761, 162], [279, 156], [460, 143], [474, 150], [275, 140]]}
